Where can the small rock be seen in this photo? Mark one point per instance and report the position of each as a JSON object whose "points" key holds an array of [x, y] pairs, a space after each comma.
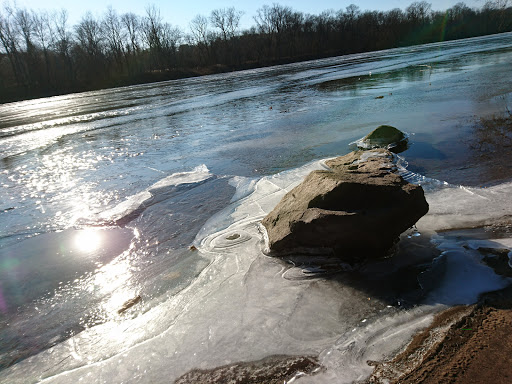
{"points": [[497, 259], [234, 236], [385, 136], [270, 370], [128, 304]]}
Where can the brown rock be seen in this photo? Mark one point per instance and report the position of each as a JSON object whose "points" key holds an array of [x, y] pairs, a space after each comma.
{"points": [[129, 303], [270, 370], [358, 209]]}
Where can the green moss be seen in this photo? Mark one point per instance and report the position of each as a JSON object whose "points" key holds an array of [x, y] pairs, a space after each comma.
{"points": [[385, 134]]}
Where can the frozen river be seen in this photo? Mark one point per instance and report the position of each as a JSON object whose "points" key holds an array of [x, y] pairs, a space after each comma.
{"points": [[102, 194]]}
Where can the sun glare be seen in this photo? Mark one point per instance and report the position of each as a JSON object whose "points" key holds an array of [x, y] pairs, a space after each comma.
{"points": [[88, 240]]}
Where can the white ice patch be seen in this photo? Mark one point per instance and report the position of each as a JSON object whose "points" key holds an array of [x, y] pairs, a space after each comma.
{"points": [[198, 174], [465, 207], [254, 199], [139, 200], [428, 184], [244, 187]]}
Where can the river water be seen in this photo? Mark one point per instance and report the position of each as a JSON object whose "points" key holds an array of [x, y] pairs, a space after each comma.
{"points": [[102, 195]]}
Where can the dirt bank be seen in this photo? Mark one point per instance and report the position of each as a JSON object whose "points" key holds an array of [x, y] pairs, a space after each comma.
{"points": [[463, 345]]}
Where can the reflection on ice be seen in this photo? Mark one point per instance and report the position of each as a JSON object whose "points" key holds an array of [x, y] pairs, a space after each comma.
{"points": [[88, 240], [244, 305], [233, 310]]}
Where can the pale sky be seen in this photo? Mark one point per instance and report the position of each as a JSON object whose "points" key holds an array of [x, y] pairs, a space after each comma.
{"points": [[180, 13]]}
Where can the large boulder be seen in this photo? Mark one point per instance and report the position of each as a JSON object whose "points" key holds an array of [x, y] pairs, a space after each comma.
{"points": [[358, 209]]}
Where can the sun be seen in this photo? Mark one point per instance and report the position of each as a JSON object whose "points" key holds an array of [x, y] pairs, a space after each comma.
{"points": [[88, 240]]}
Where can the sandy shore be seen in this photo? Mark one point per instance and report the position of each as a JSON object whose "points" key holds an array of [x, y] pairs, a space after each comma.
{"points": [[463, 345]]}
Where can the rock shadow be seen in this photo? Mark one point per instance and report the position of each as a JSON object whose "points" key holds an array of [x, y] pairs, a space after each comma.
{"points": [[392, 280]]}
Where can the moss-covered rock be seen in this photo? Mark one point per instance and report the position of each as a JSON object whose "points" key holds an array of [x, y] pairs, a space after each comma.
{"points": [[383, 136]]}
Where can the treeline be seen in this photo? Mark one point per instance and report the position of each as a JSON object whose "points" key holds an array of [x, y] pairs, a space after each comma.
{"points": [[42, 55]]}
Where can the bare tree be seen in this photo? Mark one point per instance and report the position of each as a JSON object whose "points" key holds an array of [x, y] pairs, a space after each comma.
{"points": [[161, 38], [392, 30], [63, 37], [199, 29], [274, 22], [24, 26], [133, 34], [42, 29], [89, 34], [89, 52], [497, 4], [62, 41], [227, 20], [460, 8], [152, 28], [419, 12], [352, 13], [132, 25], [274, 19], [263, 20], [171, 39], [11, 44], [44, 34], [112, 29], [200, 35], [500, 7], [233, 21]]}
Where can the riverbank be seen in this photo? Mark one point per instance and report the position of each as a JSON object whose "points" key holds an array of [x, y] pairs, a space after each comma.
{"points": [[14, 93], [463, 345]]}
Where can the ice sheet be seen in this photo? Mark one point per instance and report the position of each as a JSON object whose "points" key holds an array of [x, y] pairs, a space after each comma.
{"points": [[125, 210], [242, 306]]}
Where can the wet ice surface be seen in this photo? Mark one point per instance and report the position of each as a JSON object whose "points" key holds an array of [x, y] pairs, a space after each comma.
{"points": [[233, 310], [241, 307], [197, 162]]}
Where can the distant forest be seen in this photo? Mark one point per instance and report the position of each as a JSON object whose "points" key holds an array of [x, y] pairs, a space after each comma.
{"points": [[42, 55]]}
